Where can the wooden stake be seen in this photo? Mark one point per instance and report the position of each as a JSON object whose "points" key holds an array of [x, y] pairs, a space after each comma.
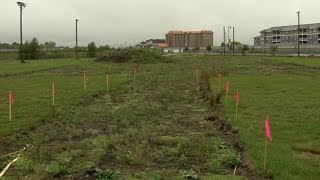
{"points": [[236, 111], [197, 75], [134, 71], [265, 154], [85, 81], [53, 93], [226, 98], [13, 153], [107, 79], [235, 170], [10, 106], [7, 167]]}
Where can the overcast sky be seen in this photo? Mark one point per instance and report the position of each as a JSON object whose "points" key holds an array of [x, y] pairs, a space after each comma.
{"points": [[126, 21]]}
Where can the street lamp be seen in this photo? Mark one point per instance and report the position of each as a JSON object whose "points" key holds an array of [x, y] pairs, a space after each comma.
{"points": [[298, 13], [21, 5], [229, 27], [77, 20]]}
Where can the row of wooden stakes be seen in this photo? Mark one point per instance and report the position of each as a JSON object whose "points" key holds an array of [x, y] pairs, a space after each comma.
{"points": [[53, 88]]}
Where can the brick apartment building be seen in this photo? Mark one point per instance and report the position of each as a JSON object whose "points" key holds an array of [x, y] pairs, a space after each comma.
{"points": [[190, 39], [287, 36]]}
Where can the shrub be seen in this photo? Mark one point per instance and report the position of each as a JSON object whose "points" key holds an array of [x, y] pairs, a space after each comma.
{"points": [[189, 175], [107, 174], [209, 48], [91, 50], [59, 168], [25, 164], [31, 49], [134, 55], [244, 49]]}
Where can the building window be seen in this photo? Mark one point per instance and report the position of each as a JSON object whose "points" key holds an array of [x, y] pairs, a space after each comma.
{"points": [[319, 41], [318, 29], [318, 36]]}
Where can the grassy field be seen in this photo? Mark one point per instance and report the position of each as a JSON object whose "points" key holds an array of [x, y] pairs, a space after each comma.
{"points": [[31, 84], [287, 90], [158, 126]]}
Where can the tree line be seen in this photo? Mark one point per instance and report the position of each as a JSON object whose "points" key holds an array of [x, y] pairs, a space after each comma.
{"points": [[32, 49]]}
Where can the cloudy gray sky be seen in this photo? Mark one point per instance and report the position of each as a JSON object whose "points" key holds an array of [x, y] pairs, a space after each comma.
{"points": [[126, 21]]}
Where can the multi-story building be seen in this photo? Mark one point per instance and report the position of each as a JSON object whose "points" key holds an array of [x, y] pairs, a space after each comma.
{"points": [[287, 36], [191, 39]]}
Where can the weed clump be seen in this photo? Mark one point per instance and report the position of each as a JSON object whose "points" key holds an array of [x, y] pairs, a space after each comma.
{"points": [[131, 55], [207, 91], [107, 174]]}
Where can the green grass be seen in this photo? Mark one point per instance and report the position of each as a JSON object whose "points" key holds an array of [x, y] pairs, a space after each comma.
{"points": [[33, 96], [291, 99], [156, 127], [10, 67], [305, 61]]}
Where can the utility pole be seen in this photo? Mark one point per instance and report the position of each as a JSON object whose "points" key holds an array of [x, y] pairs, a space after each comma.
{"points": [[224, 40], [21, 5], [298, 33], [77, 39], [233, 41], [229, 27]]}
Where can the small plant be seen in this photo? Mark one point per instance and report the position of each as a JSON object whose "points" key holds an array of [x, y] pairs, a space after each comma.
{"points": [[25, 164], [189, 175], [233, 160], [57, 169], [196, 49], [107, 174], [182, 161]]}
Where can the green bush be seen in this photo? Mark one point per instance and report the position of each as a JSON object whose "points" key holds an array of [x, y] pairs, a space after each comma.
{"points": [[189, 175], [25, 164], [59, 168], [133, 55], [91, 50], [107, 174]]}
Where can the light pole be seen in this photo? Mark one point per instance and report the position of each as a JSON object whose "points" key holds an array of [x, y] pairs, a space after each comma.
{"points": [[77, 39], [233, 41], [21, 5], [229, 27], [224, 40], [298, 33]]}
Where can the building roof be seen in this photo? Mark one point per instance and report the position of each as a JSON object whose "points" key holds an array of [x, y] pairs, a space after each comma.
{"points": [[189, 32], [291, 27], [163, 45]]}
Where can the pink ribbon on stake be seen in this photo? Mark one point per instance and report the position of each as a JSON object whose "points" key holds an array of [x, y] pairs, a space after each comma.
{"points": [[238, 97], [268, 131], [227, 86], [11, 95]]}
